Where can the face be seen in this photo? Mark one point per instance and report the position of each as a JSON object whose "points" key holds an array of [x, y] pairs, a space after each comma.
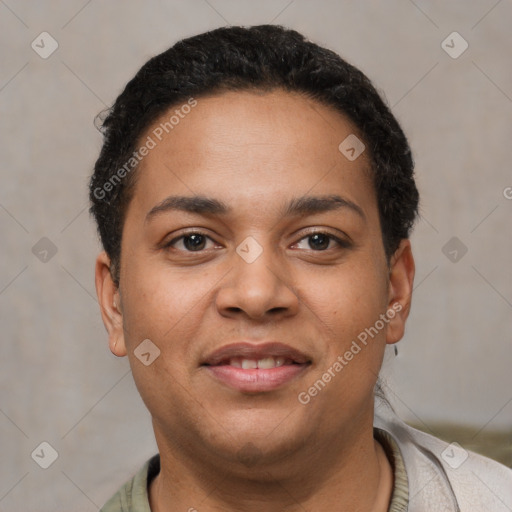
{"points": [[254, 291]]}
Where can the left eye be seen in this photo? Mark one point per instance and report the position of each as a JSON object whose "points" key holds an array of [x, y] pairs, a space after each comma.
{"points": [[319, 241]]}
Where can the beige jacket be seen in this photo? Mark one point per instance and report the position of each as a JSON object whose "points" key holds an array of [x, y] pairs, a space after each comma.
{"points": [[444, 477]]}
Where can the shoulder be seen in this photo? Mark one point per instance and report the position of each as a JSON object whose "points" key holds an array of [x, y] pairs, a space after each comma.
{"points": [[445, 476], [133, 495]]}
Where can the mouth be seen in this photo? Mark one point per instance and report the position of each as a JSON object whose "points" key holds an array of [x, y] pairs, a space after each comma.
{"points": [[264, 363], [252, 368]]}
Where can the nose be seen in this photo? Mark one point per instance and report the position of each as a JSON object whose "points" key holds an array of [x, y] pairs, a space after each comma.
{"points": [[258, 289]]}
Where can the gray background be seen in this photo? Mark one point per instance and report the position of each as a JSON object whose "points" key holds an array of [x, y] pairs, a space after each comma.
{"points": [[58, 381]]}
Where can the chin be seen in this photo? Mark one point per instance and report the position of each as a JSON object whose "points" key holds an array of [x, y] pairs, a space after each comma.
{"points": [[262, 453], [269, 441]]}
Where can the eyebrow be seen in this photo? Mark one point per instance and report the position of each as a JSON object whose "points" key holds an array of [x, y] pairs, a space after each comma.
{"points": [[305, 205], [309, 205]]}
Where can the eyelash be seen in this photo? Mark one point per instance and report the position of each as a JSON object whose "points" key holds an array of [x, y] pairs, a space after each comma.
{"points": [[344, 244]]}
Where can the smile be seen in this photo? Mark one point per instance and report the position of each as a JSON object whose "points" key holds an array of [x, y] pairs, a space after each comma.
{"points": [[258, 368]]}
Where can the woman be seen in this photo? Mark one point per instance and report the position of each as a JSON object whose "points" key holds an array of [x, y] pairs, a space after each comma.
{"points": [[254, 197]]}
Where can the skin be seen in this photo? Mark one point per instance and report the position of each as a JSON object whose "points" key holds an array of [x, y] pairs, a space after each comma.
{"points": [[222, 449]]}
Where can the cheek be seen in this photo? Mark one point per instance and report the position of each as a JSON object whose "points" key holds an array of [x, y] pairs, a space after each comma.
{"points": [[159, 302], [347, 300], [166, 308], [347, 305]]}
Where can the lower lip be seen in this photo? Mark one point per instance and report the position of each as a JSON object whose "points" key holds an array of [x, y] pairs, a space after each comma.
{"points": [[256, 380]]}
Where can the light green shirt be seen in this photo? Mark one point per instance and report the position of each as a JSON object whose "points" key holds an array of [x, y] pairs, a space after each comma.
{"points": [[133, 496]]}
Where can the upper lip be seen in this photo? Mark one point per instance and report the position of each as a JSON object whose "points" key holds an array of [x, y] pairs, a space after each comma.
{"points": [[247, 350]]}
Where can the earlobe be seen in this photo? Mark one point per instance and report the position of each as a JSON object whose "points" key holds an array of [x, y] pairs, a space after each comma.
{"points": [[110, 304], [401, 279]]}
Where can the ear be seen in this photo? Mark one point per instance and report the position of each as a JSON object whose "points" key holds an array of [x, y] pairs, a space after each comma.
{"points": [[110, 304], [401, 279]]}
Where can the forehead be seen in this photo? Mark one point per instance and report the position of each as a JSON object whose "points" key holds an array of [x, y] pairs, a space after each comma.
{"points": [[251, 147]]}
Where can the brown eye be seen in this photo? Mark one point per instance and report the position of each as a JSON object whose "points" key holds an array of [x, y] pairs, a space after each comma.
{"points": [[191, 242], [319, 241], [194, 242]]}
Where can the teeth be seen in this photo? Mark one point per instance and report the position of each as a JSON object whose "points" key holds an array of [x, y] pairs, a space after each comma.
{"points": [[251, 364], [267, 362]]}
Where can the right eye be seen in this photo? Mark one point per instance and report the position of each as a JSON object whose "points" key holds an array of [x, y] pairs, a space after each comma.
{"points": [[193, 241]]}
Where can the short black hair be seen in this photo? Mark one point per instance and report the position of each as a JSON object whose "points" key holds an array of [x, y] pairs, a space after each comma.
{"points": [[260, 58]]}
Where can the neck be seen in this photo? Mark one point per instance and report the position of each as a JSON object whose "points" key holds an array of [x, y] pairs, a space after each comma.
{"points": [[339, 475]]}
